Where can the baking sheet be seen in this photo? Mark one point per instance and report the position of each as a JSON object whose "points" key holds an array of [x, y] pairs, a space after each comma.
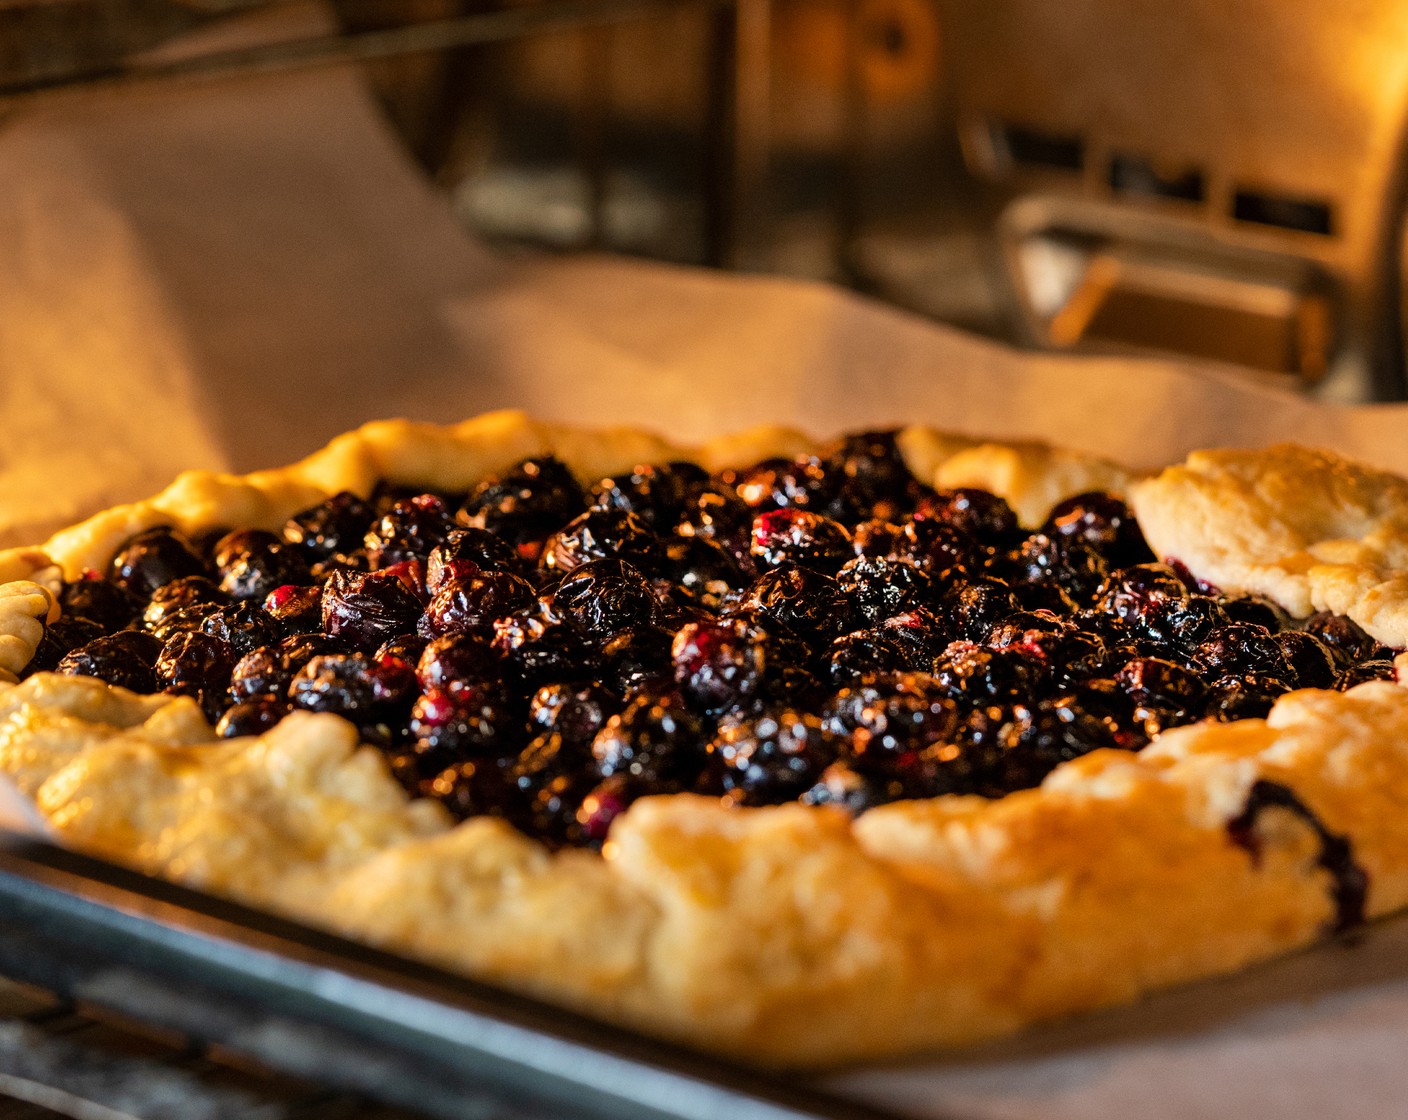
{"points": [[227, 276]]}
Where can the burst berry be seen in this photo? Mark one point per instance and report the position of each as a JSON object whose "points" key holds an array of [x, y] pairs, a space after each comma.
{"points": [[603, 597], [468, 721], [602, 534], [802, 537], [718, 666], [367, 609], [472, 605]]}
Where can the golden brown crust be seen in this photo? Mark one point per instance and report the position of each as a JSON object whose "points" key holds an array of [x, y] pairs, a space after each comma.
{"points": [[1309, 529], [784, 936]]}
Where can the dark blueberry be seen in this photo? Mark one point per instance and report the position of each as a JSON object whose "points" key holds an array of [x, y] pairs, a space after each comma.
{"points": [[917, 636], [655, 738], [850, 789], [973, 607], [717, 514], [297, 609], [1041, 560], [877, 539], [526, 503], [1239, 649], [975, 675], [1143, 599], [1310, 659], [1069, 658], [576, 712], [411, 573], [245, 626], [189, 591], [465, 721], [801, 537], [252, 717], [874, 473], [269, 670], [946, 552], [1164, 684], [1256, 610], [637, 658], [341, 683], [606, 801], [603, 597], [229, 547], [861, 654], [602, 534], [552, 778], [1185, 628], [1378, 670], [1041, 737], [366, 609], [1023, 627], [334, 527], [408, 531], [805, 601], [656, 494], [198, 666], [773, 757], [1345, 638], [1103, 522], [466, 658], [878, 588], [782, 483], [537, 653], [719, 666], [152, 559], [61, 637], [978, 513], [704, 568], [473, 788], [891, 718], [124, 659], [473, 605], [1130, 727], [1244, 697], [98, 600], [183, 620], [1048, 596], [408, 647], [252, 569], [465, 552]]}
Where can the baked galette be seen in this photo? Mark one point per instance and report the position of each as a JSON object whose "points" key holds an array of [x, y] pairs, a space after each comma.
{"points": [[800, 752]]}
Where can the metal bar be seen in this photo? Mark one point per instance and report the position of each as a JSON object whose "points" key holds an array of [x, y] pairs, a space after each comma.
{"points": [[290, 995], [468, 30]]}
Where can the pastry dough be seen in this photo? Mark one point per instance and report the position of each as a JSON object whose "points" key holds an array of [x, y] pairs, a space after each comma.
{"points": [[790, 935]]}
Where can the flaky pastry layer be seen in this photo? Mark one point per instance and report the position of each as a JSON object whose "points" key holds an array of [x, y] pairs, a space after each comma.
{"points": [[786, 936]]}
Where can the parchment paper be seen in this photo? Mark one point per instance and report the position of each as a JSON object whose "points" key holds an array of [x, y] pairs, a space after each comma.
{"points": [[227, 276]]}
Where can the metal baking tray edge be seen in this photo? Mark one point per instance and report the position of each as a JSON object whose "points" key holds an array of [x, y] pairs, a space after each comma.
{"points": [[316, 1005]]}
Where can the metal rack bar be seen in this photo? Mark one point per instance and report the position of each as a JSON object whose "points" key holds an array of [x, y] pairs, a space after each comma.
{"points": [[321, 1007]]}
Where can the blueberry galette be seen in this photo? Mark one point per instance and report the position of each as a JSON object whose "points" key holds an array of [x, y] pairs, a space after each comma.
{"points": [[803, 753]]}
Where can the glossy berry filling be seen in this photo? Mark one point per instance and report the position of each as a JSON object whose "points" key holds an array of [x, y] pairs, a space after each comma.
{"points": [[825, 629]]}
